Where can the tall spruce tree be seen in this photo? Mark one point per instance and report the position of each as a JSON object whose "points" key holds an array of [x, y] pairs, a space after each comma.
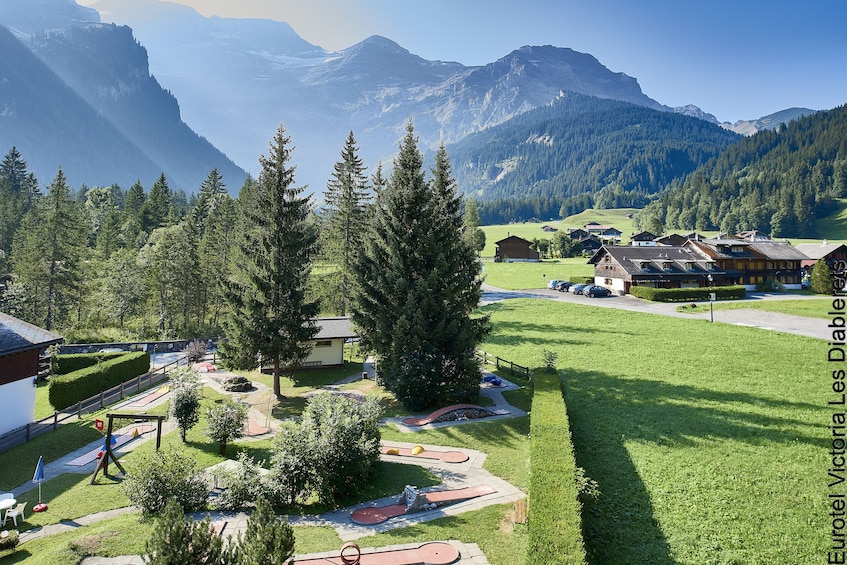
{"points": [[157, 207], [347, 196], [270, 315], [418, 284], [48, 248]]}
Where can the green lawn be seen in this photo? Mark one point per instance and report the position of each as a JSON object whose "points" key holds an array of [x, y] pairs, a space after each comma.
{"points": [[808, 308], [708, 442], [523, 276]]}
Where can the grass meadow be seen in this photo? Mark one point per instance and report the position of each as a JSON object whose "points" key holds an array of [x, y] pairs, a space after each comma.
{"points": [[808, 308], [706, 440]]}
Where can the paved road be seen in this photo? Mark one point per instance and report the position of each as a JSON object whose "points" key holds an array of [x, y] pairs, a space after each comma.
{"points": [[810, 327]]}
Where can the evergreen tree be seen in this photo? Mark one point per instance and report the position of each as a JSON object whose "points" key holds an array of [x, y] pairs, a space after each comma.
{"points": [[216, 244], [418, 286], [266, 540], [822, 278], [211, 190], [157, 207], [473, 233], [270, 315], [48, 250], [177, 541], [346, 196]]}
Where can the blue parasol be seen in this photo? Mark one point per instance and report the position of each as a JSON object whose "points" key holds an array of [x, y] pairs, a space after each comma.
{"points": [[38, 477]]}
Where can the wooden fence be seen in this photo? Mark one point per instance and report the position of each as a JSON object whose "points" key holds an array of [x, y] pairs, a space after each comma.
{"points": [[504, 363], [93, 404]]}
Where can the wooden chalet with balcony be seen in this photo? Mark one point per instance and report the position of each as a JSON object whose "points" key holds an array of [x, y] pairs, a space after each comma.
{"points": [[750, 263]]}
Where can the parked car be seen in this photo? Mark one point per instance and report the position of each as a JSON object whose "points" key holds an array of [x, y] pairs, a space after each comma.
{"points": [[577, 288], [595, 291], [553, 283], [563, 286]]}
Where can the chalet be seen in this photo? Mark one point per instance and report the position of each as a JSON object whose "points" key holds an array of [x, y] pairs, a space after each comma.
{"points": [[577, 233], [749, 263], [515, 248], [643, 238], [593, 227], [591, 243], [621, 267], [829, 252], [611, 233], [20, 347]]}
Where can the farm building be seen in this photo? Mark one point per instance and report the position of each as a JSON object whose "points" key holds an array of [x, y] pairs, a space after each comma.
{"points": [[515, 248]]}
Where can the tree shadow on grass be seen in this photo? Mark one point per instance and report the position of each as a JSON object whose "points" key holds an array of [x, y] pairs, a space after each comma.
{"points": [[606, 412]]}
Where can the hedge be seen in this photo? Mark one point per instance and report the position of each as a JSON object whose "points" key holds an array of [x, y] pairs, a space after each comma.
{"points": [[688, 294], [581, 280], [64, 364], [555, 520], [67, 390]]}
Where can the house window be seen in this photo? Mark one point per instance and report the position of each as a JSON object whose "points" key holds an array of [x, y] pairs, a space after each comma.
{"points": [[324, 343]]}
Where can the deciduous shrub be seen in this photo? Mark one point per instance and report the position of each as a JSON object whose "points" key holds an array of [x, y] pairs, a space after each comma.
{"points": [[243, 484], [688, 294], [166, 474], [331, 453], [195, 351], [9, 540], [226, 423], [185, 398], [66, 390]]}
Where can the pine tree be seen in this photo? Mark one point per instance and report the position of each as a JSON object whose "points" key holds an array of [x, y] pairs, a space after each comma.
{"points": [[419, 286], [347, 197], [822, 278], [266, 540], [211, 190], [270, 315], [473, 233], [177, 541]]}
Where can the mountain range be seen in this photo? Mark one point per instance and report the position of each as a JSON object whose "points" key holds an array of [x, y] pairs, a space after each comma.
{"points": [[236, 80]]}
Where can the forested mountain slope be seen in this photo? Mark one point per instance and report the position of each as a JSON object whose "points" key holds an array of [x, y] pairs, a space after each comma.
{"points": [[578, 152], [779, 181]]}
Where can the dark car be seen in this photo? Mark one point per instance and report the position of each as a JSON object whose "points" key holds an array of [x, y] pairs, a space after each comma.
{"points": [[578, 288], [563, 286], [595, 291]]}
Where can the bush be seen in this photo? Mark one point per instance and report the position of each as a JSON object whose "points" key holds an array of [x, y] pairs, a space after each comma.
{"points": [[164, 475], [226, 422], [331, 453], [555, 523], [185, 399], [64, 364], [9, 539], [176, 540], [243, 484], [195, 351], [66, 390], [688, 294]]}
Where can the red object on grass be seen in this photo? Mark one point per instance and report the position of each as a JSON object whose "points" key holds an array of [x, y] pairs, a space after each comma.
{"points": [[41, 507]]}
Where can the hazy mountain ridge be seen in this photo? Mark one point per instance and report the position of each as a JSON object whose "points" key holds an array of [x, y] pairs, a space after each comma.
{"points": [[109, 120], [771, 121]]}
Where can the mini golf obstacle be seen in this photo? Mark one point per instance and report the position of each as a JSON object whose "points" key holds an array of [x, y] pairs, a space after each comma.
{"points": [[454, 413], [108, 452], [421, 453], [432, 553], [411, 501]]}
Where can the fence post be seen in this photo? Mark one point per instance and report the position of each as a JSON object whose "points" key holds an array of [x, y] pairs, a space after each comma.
{"points": [[496, 362], [101, 400], [55, 419], [79, 410], [27, 430], [122, 391]]}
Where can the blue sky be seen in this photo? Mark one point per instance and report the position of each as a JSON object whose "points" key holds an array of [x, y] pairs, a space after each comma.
{"points": [[737, 59]]}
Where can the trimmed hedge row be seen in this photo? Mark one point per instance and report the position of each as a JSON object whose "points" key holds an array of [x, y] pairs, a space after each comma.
{"points": [[555, 521], [67, 390], [64, 364], [581, 280], [688, 294]]}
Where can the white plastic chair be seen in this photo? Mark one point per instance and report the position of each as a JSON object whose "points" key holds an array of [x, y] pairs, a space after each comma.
{"points": [[13, 513]]}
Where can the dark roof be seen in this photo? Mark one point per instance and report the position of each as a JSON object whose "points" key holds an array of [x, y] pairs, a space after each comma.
{"points": [[778, 250], [672, 239], [642, 236], [662, 260], [335, 328], [515, 239], [17, 335]]}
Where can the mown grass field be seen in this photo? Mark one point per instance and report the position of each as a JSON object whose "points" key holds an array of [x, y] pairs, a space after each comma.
{"points": [[707, 441], [809, 308], [524, 276]]}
